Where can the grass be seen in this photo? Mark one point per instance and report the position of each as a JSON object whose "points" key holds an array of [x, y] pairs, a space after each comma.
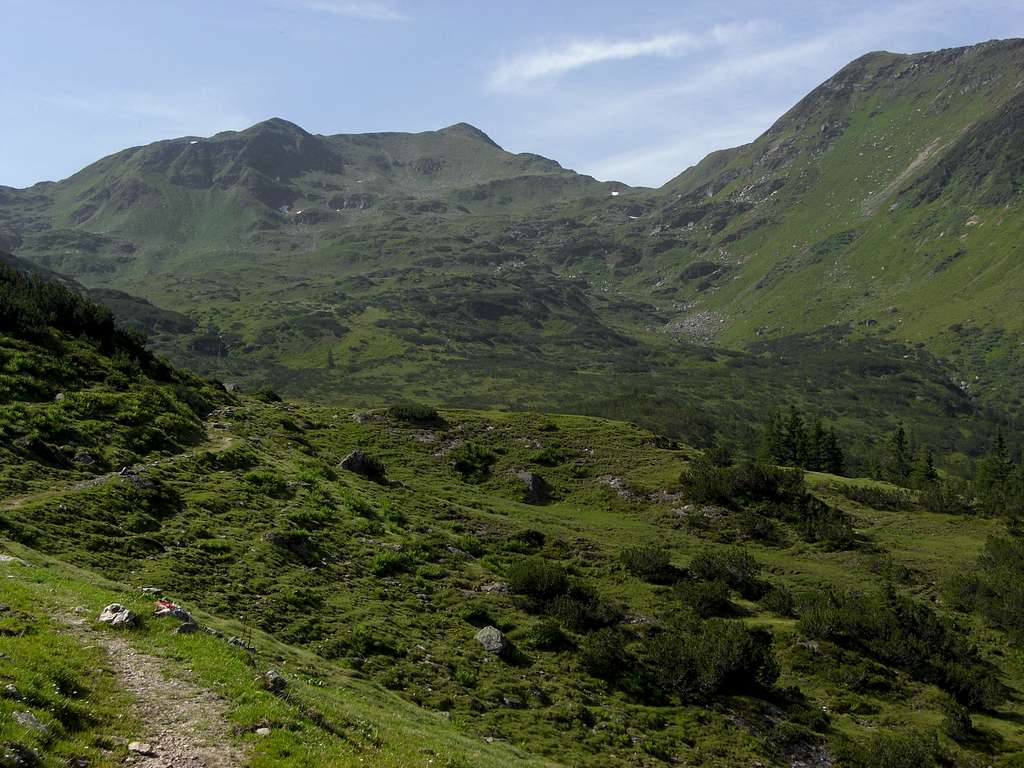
{"points": [[272, 564]]}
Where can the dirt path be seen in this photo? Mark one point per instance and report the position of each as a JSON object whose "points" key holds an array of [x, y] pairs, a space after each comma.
{"points": [[184, 725]]}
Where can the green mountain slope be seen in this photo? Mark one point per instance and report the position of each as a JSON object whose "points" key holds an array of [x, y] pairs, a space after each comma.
{"points": [[880, 215], [639, 633], [886, 199]]}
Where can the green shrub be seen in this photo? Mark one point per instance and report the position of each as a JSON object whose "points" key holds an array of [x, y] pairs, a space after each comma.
{"points": [[906, 634], [546, 635], [389, 563], [473, 462], [538, 579], [267, 395], [695, 661], [550, 456], [603, 654], [705, 598], [414, 413], [878, 497], [649, 563], [779, 601], [736, 567]]}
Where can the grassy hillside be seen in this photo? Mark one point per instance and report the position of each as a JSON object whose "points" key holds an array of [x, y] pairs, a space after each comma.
{"points": [[351, 587], [413, 587]]}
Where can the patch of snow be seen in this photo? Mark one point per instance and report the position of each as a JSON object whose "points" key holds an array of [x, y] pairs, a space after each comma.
{"points": [[193, 142], [615, 194]]}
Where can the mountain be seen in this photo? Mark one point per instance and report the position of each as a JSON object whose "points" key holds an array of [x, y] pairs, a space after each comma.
{"points": [[875, 226], [887, 199]]}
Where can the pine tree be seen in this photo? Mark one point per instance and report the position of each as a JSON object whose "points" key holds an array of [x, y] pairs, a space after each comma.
{"points": [[816, 446], [833, 460], [923, 473], [995, 466], [794, 440], [898, 464], [772, 440]]}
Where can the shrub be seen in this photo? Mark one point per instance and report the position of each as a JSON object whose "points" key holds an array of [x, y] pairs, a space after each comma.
{"points": [[603, 654], [581, 607], [705, 598], [736, 567], [550, 456], [649, 563], [996, 587], [413, 413], [473, 462], [267, 395], [779, 601], [956, 721], [538, 579], [388, 563], [906, 634], [547, 635], [878, 497], [695, 662]]}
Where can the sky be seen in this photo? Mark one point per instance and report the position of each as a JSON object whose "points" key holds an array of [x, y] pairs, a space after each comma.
{"points": [[631, 91]]}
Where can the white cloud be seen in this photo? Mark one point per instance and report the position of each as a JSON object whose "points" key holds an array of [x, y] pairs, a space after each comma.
{"points": [[528, 68], [356, 9]]}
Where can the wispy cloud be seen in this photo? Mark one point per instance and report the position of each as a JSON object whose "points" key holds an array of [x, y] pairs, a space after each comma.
{"points": [[526, 69], [355, 9]]}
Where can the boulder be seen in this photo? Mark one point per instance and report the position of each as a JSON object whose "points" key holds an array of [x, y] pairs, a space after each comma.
{"points": [[11, 691], [363, 465], [535, 488], [493, 641], [116, 615], [263, 731], [185, 629]]}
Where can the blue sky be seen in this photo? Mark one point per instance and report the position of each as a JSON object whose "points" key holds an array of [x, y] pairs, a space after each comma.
{"points": [[620, 90]]}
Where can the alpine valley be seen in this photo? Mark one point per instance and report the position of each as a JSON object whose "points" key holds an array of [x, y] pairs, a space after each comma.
{"points": [[444, 455]]}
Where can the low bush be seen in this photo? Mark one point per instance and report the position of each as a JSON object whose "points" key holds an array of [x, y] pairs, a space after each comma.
{"points": [[696, 661], [905, 634], [390, 563], [414, 413], [473, 462], [705, 598], [650, 563], [735, 567]]}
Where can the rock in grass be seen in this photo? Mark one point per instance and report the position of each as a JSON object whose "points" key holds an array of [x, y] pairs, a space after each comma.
{"points": [[493, 641], [30, 721], [11, 691], [535, 488], [116, 615], [142, 748], [274, 681], [262, 731], [364, 465]]}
